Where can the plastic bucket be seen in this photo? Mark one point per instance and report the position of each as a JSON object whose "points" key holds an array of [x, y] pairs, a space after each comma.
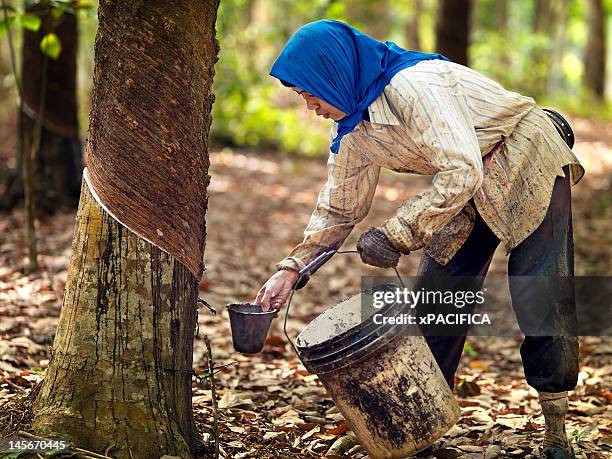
{"points": [[321, 344], [387, 385], [250, 326]]}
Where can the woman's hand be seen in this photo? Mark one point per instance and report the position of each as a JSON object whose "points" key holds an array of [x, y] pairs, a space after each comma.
{"points": [[274, 293], [376, 250]]}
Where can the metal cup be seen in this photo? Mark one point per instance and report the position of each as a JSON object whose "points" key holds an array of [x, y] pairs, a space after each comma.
{"points": [[249, 326]]}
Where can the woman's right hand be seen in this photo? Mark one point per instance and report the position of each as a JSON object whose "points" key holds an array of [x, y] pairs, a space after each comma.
{"points": [[276, 290]]}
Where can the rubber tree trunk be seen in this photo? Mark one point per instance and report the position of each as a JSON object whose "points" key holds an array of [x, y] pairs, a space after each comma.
{"points": [[122, 354], [57, 166], [121, 368], [453, 29], [595, 51]]}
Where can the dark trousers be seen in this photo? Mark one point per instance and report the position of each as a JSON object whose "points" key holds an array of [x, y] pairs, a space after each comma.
{"points": [[550, 362]]}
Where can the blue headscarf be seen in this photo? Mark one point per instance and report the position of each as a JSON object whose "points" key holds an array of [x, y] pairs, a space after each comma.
{"points": [[342, 66]]}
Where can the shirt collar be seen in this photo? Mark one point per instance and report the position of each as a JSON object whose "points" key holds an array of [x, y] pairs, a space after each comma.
{"points": [[380, 112]]}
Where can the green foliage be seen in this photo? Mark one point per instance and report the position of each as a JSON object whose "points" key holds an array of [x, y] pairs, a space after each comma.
{"points": [[17, 453], [18, 19], [469, 350], [51, 45], [583, 104], [252, 109], [247, 111], [29, 21], [577, 436], [547, 65], [59, 7]]}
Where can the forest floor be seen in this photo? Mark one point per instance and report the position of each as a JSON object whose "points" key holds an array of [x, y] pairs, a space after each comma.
{"points": [[269, 406]]}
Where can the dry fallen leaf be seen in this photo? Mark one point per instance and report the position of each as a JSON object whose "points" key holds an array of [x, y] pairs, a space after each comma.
{"points": [[311, 432], [467, 388], [513, 421], [479, 365], [231, 400], [339, 429], [290, 418]]}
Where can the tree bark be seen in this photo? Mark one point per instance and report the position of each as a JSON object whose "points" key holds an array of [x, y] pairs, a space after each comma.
{"points": [[121, 369], [595, 51], [57, 166], [453, 29], [122, 356]]}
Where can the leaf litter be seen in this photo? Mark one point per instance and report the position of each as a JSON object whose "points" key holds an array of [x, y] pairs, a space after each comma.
{"points": [[269, 405]]}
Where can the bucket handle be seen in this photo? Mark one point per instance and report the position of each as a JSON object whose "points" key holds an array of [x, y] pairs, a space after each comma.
{"points": [[306, 270]]}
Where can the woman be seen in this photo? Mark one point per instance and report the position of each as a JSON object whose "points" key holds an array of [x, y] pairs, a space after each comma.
{"points": [[501, 173]]}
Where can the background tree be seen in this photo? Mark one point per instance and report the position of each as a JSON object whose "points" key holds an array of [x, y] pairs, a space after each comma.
{"points": [[371, 16], [558, 39], [412, 37], [542, 17], [547, 15], [257, 113], [121, 369], [595, 50], [49, 87], [453, 29], [502, 23]]}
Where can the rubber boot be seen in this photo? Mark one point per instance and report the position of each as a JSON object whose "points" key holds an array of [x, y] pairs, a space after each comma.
{"points": [[556, 445]]}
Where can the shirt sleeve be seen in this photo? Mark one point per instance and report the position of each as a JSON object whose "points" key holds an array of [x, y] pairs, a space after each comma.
{"points": [[438, 119], [344, 201]]}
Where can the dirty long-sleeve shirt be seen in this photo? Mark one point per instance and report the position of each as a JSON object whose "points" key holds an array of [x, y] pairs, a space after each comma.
{"points": [[485, 147]]}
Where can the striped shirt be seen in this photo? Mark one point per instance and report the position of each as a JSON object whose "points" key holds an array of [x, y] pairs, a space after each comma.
{"points": [[486, 147]]}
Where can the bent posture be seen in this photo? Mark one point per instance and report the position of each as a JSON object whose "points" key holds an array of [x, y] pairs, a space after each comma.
{"points": [[501, 170]]}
